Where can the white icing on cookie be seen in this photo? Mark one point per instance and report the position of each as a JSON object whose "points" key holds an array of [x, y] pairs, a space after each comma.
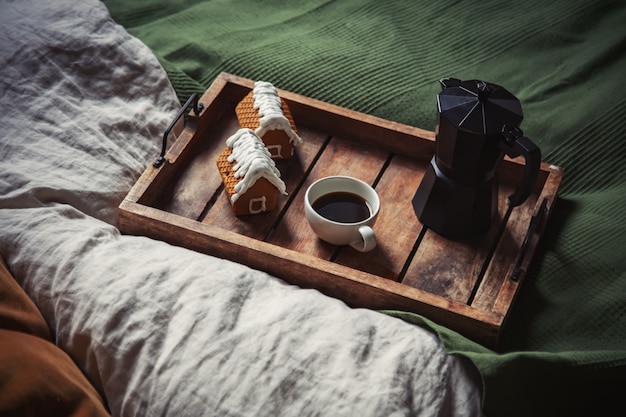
{"points": [[267, 103], [252, 161]]}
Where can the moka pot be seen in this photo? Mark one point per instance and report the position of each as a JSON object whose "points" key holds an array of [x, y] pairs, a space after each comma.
{"points": [[478, 123]]}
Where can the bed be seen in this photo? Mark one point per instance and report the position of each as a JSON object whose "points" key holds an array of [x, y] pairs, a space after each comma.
{"points": [[143, 327]]}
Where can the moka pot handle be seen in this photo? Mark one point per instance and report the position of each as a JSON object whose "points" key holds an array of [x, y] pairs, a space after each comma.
{"points": [[515, 144]]}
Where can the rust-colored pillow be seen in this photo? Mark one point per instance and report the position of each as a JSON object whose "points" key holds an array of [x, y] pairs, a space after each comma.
{"points": [[17, 310], [36, 377]]}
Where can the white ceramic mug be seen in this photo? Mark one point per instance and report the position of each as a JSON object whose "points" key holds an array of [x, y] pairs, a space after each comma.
{"points": [[358, 234]]}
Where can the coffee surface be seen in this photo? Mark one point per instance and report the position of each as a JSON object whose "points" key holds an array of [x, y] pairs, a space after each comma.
{"points": [[342, 207]]}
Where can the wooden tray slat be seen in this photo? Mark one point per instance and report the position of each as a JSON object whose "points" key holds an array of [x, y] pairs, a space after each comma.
{"points": [[453, 267], [397, 227], [460, 283]]}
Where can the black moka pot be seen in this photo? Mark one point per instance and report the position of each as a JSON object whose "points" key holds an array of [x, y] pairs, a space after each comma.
{"points": [[478, 123]]}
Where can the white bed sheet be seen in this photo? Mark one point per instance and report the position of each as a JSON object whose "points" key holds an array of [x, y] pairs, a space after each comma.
{"points": [[161, 330]]}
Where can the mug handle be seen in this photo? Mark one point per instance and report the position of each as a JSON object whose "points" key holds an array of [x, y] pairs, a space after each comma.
{"points": [[367, 241], [514, 145]]}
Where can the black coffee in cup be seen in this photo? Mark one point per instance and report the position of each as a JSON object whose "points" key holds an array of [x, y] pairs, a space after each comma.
{"points": [[342, 207]]}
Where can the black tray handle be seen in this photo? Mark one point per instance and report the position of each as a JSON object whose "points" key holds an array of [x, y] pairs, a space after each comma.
{"points": [[197, 108]]}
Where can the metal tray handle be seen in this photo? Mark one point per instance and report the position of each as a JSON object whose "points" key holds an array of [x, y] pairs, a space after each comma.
{"points": [[197, 108]]}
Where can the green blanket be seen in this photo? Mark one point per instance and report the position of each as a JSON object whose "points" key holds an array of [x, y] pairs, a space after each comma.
{"points": [[563, 351]]}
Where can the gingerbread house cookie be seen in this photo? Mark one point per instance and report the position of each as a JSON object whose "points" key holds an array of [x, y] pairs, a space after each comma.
{"points": [[249, 174], [263, 111]]}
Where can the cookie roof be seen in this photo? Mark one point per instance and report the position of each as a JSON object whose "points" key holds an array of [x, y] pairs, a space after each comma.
{"points": [[251, 161], [268, 104]]}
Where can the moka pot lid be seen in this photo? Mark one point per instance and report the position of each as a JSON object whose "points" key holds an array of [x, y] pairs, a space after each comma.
{"points": [[478, 107]]}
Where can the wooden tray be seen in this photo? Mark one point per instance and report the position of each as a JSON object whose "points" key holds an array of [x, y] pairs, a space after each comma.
{"points": [[464, 284]]}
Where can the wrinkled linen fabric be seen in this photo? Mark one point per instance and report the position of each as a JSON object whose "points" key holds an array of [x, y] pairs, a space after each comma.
{"points": [[161, 330], [83, 105]]}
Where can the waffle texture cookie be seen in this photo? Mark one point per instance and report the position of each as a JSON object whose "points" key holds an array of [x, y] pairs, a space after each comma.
{"points": [[263, 111], [249, 174]]}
